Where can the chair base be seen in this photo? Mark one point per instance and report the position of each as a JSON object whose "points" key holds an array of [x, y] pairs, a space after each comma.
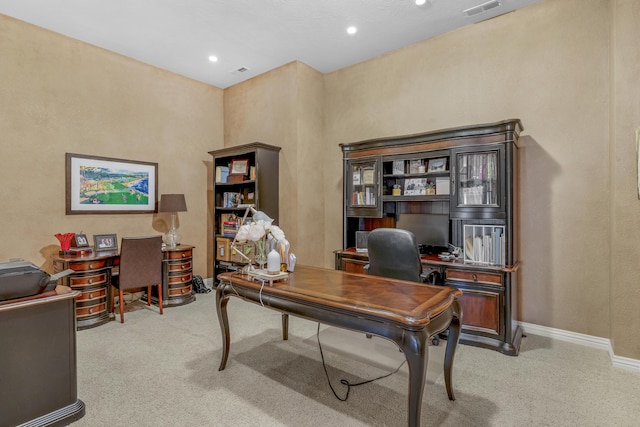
{"points": [[121, 299]]}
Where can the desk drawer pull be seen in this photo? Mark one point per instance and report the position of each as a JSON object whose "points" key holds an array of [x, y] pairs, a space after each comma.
{"points": [[475, 277]]}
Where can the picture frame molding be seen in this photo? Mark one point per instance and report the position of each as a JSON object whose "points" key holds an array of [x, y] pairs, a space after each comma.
{"points": [[74, 205]]}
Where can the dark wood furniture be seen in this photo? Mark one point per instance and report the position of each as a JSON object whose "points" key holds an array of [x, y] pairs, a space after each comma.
{"points": [[258, 187], [38, 375], [92, 276], [359, 303], [140, 258], [455, 186], [177, 276]]}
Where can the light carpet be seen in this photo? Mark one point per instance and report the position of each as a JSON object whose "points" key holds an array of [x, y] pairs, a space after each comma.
{"points": [[163, 371]]}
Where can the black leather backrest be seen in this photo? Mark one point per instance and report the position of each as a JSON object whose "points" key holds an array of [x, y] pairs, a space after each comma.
{"points": [[393, 253], [140, 262]]}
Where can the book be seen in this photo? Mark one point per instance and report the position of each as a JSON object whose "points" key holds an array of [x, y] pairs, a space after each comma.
{"points": [[222, 173]]}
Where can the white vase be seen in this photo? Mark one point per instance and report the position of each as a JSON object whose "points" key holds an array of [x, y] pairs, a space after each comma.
{"points": [[273, 262]]}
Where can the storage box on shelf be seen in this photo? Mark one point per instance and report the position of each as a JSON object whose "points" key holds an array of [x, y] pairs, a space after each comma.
{"points": [[467, 176], [253, 183]]}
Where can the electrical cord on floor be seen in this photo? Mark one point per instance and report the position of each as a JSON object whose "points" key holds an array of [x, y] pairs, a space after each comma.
{"points": [[346, 382]]}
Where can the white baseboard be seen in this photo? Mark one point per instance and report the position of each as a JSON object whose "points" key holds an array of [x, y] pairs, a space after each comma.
{"points": [[582, 339]]}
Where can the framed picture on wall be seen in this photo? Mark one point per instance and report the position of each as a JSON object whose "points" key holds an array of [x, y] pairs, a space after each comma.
{"points": [[102, 185]]}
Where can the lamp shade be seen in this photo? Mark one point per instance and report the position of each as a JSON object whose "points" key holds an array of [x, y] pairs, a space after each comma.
{"points": [[172, 203]]}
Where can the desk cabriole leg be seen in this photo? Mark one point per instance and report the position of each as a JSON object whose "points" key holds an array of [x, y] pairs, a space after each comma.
{"points": [[415, 349], [221, 304], [452, 344]]}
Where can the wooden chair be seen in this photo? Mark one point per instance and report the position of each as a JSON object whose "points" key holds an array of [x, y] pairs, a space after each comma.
{"points": [[140, 267]]}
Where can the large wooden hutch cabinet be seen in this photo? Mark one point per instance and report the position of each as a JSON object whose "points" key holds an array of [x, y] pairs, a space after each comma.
{"points": [[454, 187]]}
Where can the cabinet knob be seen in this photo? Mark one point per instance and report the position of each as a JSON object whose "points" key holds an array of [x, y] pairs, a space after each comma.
{"points": [[475, 277], [90, 310], [90, 265], [183, 255], [90, 295], [183, 267], [90, 281]]}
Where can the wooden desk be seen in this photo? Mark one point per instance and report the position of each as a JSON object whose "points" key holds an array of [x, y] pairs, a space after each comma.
{"points": [[92, 276], [406, 313], [489, 300]]}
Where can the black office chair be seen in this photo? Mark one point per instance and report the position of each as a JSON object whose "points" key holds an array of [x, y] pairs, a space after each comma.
{"points": [[393, 253], [140, 267]]}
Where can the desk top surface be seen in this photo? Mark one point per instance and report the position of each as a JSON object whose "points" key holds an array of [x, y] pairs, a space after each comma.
{"points": [[408, 303]]}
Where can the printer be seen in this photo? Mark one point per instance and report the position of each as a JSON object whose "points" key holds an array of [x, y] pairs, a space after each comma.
{"points": [[20, 278]]}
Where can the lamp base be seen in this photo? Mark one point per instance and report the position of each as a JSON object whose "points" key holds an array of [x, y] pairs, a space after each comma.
{"points": [[172, 238]]}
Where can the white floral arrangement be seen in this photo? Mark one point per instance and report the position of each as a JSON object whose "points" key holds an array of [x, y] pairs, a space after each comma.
{"points": [[266, 237]]}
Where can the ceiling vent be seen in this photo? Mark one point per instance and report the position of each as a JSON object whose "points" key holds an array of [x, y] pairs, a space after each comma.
{"points": [[240, 70], [472, 11]]}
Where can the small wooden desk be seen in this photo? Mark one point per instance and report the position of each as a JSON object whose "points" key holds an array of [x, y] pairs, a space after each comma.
{"points": [[92, 276], [406, 313]]}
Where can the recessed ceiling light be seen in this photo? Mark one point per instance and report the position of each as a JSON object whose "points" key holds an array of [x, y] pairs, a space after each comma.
{"points": [[213, 58], [352, 30], [420, 2]]}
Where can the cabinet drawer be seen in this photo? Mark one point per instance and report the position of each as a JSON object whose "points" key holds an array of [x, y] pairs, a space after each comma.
{"points": [[352, 265], [88, 265], [179, 266], [474, 276], [481, 311], [92, 280], [91, 310], [183, 290], [95, 294], [179, 254], [182, 278]]}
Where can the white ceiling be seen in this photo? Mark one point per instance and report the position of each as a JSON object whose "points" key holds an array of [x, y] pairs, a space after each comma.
{"points": [[180, 35]]}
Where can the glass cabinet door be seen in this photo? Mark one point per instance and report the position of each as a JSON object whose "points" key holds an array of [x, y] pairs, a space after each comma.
{"points": [[478, 181], [363, 189]]}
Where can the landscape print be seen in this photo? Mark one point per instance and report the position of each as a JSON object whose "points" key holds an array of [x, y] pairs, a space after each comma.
{"points": [[106, 185], [113, 186]]}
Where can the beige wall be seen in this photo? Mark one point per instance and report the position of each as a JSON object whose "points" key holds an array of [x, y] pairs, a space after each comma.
{"points": [[284, 108], [58, 95], [567, 68], [548, 65], [624, 202]]}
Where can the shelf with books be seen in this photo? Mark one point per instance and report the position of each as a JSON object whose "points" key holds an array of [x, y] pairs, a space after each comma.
{"points": [[252, 181]]}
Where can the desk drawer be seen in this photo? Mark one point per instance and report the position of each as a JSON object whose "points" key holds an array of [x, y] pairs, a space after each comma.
{"points": [[88, 265], [90, 280], [91, 310], [182, 278], [178, 254], [92, 295], [474, 276], [179, 266], [182, 290]]}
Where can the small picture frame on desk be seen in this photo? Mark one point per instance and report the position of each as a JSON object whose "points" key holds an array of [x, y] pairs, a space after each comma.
{"points": [[105, 242], [239, 167], [80, 241]]}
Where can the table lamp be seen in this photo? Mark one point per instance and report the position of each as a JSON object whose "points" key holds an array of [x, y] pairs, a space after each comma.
{"points": [[172, 203]]}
